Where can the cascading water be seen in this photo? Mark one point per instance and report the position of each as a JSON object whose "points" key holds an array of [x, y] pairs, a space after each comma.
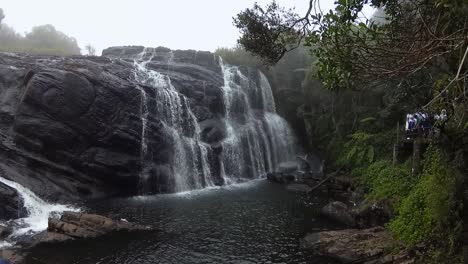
{"points": [[189, 165], [37, 209], [257, 139]]}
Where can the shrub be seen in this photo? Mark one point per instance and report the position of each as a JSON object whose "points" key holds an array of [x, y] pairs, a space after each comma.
{"points": [[431, 210], [357, 151], [385, 181]]}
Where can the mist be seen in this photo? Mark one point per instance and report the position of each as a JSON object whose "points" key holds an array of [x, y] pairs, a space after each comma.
{"points": [[44, 40]]}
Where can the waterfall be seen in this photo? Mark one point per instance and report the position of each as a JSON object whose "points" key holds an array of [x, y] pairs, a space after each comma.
{"points": [[189, 160], [38, 210], [257, 139]]}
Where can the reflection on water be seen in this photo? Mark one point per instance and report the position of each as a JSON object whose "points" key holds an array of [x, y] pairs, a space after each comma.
{"points": [[254, 222]]}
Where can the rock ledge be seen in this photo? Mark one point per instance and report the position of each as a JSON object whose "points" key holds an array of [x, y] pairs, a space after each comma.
{"points": [[367, 246]]}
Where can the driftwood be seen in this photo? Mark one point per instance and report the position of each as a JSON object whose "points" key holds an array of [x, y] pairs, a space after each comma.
{"points": [[306, 162]]}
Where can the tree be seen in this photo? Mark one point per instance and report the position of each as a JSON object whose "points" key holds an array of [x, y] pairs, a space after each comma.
{"points": [[45, 40], [2, 16], [270, 32], [90, 50], [418, 35]]}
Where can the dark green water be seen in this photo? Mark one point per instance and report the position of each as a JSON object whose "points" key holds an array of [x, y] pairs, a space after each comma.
{"points": [[254, 222]]}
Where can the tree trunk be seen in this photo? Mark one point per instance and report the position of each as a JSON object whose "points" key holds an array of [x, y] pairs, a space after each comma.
{"points": [[396, 146], [416, 156]]}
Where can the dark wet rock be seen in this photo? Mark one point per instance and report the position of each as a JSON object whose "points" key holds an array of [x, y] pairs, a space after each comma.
{"points": [[366, 214], [367, 246], [339, 211], [79, 225], [288, 167], [75, 122], [12, 204], [370, 214], [213, 131], [298, 187], [70, 226], [281, 178], [5, 231]]}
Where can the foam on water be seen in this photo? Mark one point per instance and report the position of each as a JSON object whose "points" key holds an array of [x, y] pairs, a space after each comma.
{"points": [[246, 184]]}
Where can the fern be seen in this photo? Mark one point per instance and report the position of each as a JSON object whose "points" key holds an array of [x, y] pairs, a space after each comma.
{"points": [[351, 153], [370, 154]]}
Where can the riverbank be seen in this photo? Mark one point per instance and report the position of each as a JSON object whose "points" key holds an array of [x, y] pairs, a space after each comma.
{"points": [[362, 238]]}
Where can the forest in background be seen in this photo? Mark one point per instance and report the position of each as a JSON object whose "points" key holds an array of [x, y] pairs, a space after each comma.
{"points": [[42, 40], [359, 79]]}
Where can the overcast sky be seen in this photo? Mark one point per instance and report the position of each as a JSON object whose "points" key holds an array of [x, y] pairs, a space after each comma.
{"points": [[177, 24]]}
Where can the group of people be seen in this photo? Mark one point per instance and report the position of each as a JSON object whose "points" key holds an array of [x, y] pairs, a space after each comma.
{"points": [[422, 124]]}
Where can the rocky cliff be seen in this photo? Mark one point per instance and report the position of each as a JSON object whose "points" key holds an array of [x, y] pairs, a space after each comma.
{"points": [[83, 127]]}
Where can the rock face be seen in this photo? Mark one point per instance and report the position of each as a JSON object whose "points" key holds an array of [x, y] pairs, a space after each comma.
{"points": [[12, 204], [355, 245], [134, 121]]}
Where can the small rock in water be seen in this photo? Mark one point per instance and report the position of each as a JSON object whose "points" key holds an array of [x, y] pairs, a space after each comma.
{"points": [[297, 187]]}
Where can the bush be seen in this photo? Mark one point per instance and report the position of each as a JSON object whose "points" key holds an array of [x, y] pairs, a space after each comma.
{"points": [[385, 181], [431, 210], [358, 151]]}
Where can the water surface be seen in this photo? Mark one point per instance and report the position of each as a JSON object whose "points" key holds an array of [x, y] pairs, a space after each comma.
{"points": [[253, 222]]}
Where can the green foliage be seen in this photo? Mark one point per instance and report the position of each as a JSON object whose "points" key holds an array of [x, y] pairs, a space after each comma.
{"points": [[358, 150], [388, 182], [431, 210], [266, 31], [375, 71], [238, 56]]}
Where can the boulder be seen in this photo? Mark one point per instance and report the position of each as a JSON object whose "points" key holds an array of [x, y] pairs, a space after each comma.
{"points": [[79, 225], [370, 214], [368, 246], [339, 212], [281, 178]]}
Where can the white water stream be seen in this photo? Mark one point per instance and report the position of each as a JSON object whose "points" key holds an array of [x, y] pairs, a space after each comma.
{"points": [[38, 211]]}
